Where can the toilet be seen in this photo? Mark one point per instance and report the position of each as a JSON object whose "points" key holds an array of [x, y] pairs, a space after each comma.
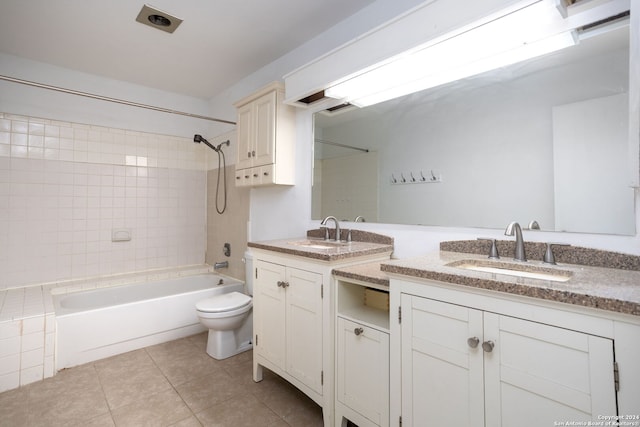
{"points": [[229, 319]]}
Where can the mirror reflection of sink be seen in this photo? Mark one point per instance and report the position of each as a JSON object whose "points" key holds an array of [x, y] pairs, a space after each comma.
{"points": [[525, 271], [318, 244]]}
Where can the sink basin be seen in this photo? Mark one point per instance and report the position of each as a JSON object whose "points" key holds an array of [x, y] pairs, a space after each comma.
{"points": [[525, 271], [318, 244]]}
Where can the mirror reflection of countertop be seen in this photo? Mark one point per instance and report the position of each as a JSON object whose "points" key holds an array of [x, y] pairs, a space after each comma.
{"points": [[609, 289]]}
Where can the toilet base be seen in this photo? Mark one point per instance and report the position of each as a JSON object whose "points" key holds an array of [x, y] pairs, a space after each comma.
{"points": [[224, 344]]}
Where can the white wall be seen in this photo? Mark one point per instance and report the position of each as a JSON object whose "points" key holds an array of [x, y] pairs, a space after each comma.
{"points": [[36, 102]]}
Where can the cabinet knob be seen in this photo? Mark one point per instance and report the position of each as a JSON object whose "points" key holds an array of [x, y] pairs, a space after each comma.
{"points": [[487, 346], [280, 284], [255, 175], [265, 173], [253, 153], [358, 331], [473, 342], [249, 154]]}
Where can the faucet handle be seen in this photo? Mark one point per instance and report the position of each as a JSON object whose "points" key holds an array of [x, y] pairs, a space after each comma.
{"points": [[493, 252], [548, 257]]}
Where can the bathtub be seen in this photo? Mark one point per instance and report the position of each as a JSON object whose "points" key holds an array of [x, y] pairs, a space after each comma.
{"points": [[95, 324]]}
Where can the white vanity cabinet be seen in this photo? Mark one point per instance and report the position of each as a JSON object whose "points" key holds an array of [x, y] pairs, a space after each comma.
{"points": [[294, 320], [288, 304], [266, 139], [362, 356], [473, 358], [466, 367]]}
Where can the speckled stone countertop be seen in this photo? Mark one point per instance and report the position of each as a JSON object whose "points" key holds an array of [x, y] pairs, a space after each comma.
{"points": [[369, 272], [319, 249], [597, 287]]}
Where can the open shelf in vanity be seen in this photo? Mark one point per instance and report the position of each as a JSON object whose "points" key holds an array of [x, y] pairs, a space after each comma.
{"points": [[364, 303]]}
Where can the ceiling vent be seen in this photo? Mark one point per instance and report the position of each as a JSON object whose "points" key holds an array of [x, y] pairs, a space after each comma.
{"points": [[158, 19]]}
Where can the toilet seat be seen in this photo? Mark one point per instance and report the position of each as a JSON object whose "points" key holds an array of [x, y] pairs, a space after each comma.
{"points": [[224, 303]]}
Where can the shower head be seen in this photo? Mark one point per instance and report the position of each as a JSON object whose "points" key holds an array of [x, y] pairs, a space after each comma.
{"points": [[198, 139]]}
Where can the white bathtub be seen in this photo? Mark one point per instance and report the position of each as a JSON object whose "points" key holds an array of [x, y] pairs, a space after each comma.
{"points": [[95, 324]]}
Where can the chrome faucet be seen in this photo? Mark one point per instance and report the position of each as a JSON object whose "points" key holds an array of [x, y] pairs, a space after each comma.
{"points": [[324, 222], [359, 218], [514, 228]]}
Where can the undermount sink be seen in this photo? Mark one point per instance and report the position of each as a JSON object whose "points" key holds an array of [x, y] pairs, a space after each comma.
{"points": [[318, 244], [525, 271]]}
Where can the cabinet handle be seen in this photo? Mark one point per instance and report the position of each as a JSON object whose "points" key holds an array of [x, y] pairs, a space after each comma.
{"points": [[253, 153], [358, 331], [473, 342], [285, 284], [266, 173], [487, 346], [280, 283], [249, 154], [255, 175]]}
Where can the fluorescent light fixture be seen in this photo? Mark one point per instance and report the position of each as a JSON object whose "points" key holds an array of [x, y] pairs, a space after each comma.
{"points": [[518, 36]]}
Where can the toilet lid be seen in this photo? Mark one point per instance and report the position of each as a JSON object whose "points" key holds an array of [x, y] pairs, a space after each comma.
{"points": [[224, 302]]}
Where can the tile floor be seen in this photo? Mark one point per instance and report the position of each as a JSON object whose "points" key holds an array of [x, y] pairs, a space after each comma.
{"points": [[170, 384]]}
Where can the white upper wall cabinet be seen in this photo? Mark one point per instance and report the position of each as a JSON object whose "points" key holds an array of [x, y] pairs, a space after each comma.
{"points": [[266, 139]]}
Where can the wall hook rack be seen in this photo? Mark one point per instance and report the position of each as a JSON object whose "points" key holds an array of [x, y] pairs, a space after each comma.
{"points": [[412, 177]]}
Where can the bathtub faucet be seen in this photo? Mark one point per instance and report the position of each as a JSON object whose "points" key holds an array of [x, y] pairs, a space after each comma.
{"points": [[223, 264]]}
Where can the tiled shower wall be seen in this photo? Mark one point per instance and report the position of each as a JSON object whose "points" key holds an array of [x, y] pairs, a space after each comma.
{"points": [[64, 187]]}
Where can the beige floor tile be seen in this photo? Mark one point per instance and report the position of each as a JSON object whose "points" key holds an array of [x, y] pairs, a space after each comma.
{"points": [[157, 409], [129, 377], [136, 387], [188, 368], [210, 390], [192, 421], [244, 411], [284, 399], [14, 408], [172, 350], [71, 397]]}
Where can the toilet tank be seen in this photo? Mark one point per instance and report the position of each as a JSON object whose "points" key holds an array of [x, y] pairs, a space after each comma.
{"points": [[248, 270]]}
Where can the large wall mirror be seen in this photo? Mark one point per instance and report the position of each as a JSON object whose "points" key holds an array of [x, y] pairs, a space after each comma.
{"points": [[543, 140]]}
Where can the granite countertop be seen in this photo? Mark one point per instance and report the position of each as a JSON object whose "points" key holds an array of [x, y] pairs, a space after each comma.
{"points": [[597, 287], [319, 249], [369, 272]]}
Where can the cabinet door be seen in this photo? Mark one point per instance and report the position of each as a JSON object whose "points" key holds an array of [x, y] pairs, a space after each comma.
{"points": [[442, 375], [265, 129], [269, 323], [245, 136], [363, 370], [304, 327], [538, 374]]}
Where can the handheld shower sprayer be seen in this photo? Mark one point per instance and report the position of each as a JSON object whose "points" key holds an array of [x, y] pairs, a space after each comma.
{"points": [[198, 139]]}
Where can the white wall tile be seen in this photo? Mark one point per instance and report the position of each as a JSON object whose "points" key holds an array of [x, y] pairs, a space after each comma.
{"points": [[86, 180], [31, 374], [9, 381], [10, 363]]}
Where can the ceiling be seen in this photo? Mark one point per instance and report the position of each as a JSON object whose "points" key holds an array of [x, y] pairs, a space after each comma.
{"points": [[218, 44]]}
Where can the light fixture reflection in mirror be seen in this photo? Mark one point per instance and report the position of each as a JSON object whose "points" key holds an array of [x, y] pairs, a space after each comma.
{"points": [[544, 139]]}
